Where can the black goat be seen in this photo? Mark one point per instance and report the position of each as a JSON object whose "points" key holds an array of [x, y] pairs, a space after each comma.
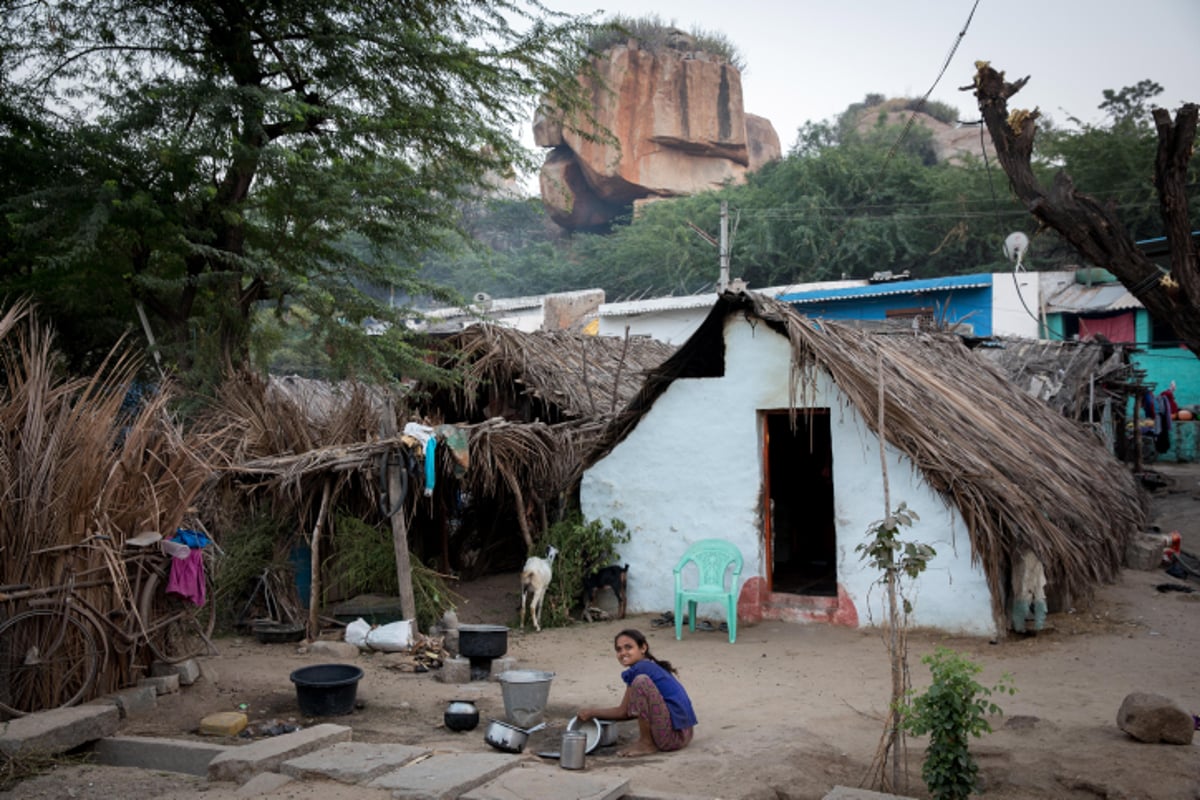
{"points": [[612, 577]]}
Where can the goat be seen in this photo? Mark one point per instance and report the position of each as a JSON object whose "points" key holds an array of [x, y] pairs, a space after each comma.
{"points": [[612, 577], [535, 578]]}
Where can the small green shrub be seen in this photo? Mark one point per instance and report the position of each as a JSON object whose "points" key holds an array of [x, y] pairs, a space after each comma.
{"points": [[247, 550], [365, 563], [953, 708], [582, 546]]}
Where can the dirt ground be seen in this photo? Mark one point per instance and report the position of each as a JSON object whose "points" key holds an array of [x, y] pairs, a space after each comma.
{"points": [[786, 713]]}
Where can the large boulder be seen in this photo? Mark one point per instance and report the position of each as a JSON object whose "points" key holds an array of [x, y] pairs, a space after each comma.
{"points": [[1153, 718], [668, 122]]}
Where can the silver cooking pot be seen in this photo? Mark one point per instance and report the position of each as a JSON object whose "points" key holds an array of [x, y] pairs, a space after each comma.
{"points": [[509, 738]]}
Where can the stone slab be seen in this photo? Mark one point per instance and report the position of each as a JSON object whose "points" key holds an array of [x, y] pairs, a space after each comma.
{"points": [[540, 782], [165, 755], [263, 783], [130, 702], [242, 763], [848, 793], [444, 776], [163, 684], [651, 794], [352, 762], [188, 671], [58, 730]]}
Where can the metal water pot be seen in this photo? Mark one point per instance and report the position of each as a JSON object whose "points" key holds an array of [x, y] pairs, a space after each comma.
{"points": [[574, 746]]}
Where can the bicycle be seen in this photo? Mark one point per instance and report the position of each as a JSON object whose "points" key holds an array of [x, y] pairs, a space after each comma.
{"points": [[53, 651]]}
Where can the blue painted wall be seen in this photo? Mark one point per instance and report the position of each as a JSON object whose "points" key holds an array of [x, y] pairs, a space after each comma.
{"points": [[953, 304]]}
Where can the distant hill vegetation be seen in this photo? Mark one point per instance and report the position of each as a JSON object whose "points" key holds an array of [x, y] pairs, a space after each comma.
{"points": [[653, 34]]}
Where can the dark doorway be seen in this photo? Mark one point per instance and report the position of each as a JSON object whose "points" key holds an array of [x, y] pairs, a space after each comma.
{"points": [[801, 535]]}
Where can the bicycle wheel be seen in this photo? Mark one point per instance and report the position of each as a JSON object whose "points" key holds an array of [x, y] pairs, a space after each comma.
{"points": [[176, 630], [48, 659]]}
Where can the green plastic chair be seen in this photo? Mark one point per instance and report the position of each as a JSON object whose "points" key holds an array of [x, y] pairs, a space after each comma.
{"points": [[713, 558]]}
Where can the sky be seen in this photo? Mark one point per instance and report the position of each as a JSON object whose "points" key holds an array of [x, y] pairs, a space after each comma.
{"points": [[807, 60]]}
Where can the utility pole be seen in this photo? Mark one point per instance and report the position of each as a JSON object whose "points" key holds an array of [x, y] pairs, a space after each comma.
{"points": [[723, 282]]}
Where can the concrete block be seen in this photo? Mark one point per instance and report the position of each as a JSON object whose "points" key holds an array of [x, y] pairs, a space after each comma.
{"points": [[263, 783], [130, 702], [166, 755], [136, 700], [502, 664], [455, 670], [240, 764], [1144, 551], [445, 775], [548, 781], [163, 684], [58, 730], [352, 762], [224, 723], [339, 651], [188, 671]]}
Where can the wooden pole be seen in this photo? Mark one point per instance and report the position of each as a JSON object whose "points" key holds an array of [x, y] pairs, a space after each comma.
{"points": [[395, 504], [314, 591]]}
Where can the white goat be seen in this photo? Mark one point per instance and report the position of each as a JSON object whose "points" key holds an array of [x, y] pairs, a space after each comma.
{"points": [[535, 578]]}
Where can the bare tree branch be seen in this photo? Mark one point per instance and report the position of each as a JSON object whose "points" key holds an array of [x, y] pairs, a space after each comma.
{"points": [[1094, 228]]}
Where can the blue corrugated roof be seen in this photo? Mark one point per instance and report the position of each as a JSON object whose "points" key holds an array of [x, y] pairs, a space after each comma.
{"points": [[891, 288]]}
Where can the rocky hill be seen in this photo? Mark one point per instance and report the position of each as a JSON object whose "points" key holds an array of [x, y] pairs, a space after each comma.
{"points": [[951, 142], [677, 128]]}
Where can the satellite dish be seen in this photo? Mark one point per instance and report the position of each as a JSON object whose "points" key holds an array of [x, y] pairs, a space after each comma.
{"points": [[483, 300], [1015, 246]]}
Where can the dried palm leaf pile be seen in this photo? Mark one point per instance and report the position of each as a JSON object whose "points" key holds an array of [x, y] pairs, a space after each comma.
{"points": [[1022, 476], [83, 468]]}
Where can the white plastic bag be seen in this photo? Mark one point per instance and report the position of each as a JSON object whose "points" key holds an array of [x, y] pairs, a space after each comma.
{"points": [[392, 637], [356, 633]]}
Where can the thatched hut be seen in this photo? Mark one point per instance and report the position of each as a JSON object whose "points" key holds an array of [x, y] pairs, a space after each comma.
{"points": [[553, 376], [792, 437], [534, 403], [510, 434]]}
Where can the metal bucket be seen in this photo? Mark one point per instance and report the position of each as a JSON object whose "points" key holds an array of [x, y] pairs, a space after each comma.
{"points": [[525, 693]]}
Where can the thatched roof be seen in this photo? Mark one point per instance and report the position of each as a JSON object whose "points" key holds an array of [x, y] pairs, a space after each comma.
{"points": [[1021, 475], [552, 376], [1070, 377]]}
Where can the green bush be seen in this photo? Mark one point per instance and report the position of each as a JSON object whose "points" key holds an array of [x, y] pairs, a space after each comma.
{"points": [[953, 708], [582, 546], [364, 561]]}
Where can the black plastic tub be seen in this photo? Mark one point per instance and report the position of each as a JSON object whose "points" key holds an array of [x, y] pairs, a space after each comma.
{"points": [[326, 690]]}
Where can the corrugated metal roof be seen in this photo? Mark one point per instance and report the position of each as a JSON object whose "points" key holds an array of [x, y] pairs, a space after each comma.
{"points": [[1077, 298], [890, 288], [657, 304]]}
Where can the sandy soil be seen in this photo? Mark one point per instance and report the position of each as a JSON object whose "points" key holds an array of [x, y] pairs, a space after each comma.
{"points": [[787, 712]]}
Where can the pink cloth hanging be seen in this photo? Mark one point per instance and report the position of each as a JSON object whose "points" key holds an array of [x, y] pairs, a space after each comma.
{"points": [[187, 577]]}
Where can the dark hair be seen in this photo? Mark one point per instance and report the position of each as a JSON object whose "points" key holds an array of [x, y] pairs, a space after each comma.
{"points": [[639, 639]]}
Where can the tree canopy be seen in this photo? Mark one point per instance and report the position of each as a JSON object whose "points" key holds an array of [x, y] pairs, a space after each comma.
{"points": [[201, 159]]}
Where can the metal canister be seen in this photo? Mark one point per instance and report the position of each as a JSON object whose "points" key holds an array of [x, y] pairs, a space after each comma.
{"points": [[574, 746]]}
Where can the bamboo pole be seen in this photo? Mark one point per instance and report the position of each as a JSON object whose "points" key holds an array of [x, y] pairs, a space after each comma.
{"points": [[314, 591], [395, 503]]}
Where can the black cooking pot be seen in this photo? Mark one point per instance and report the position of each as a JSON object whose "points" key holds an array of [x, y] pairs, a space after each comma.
{"points": [[482, 641], [461, 715]]}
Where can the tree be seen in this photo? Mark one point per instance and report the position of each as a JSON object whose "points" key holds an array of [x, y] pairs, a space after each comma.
{"points": [[1094, 228], [204, 159]]}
